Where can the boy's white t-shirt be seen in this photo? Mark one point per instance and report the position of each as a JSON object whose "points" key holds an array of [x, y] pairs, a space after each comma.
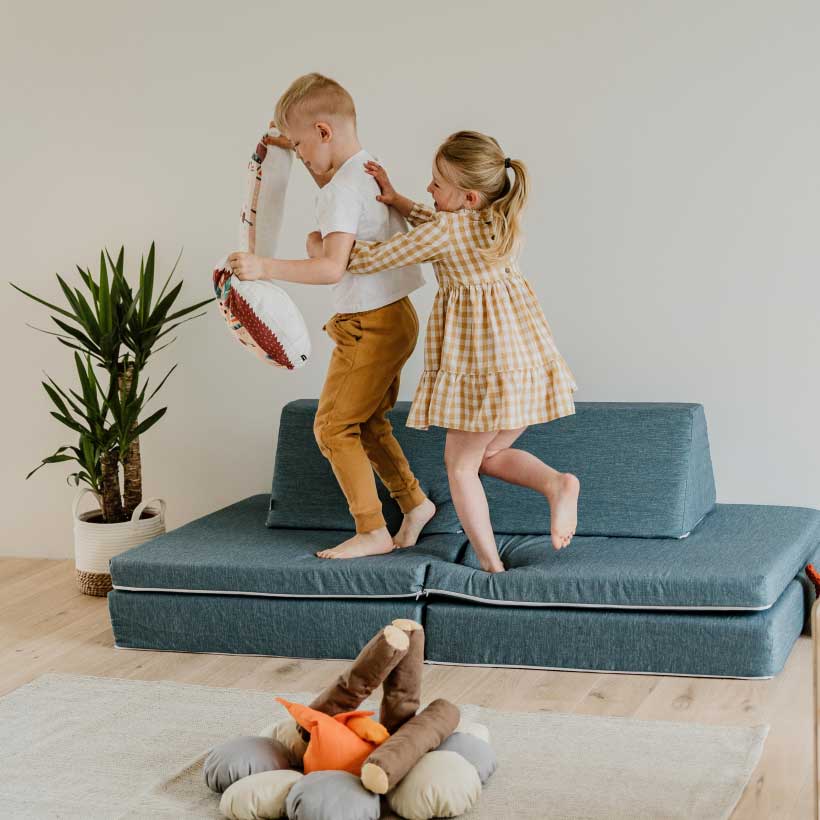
{"points": [[348, 204]]}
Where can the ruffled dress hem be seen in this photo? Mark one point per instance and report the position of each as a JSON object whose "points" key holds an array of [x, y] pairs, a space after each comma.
{"points": [[488, 402]]}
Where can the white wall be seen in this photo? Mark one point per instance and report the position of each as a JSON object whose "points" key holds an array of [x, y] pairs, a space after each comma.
{"points": [[673, 234]]}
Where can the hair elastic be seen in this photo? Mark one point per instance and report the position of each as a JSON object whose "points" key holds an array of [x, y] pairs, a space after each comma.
{"points": [[507, 162]]}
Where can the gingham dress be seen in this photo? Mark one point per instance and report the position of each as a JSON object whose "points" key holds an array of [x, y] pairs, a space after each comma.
{"points": [[490, 361]]}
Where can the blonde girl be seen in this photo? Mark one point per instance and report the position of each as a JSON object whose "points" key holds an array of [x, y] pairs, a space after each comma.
{"points": [[491, 366]]}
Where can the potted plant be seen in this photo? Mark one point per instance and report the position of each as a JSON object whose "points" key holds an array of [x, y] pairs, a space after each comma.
{"points": [[113, 332]]}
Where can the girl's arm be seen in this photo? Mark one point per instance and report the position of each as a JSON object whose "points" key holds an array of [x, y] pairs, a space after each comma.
{"points": [[414, 212], [425, 243], [420, 213]]}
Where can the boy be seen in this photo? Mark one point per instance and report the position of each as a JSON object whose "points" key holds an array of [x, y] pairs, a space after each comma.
{"points": [[375, 326]]}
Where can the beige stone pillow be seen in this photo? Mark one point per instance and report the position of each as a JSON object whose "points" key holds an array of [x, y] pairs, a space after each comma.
{"points": [[441, 784], [259, 796], [287, 733]]}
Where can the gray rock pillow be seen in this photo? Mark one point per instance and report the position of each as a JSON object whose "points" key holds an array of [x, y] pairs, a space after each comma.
{"points": [[331, 796], [242, 756], [474, 750]]}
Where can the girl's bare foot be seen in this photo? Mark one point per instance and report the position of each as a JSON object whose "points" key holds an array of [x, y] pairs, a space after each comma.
{"points": [[490, 561], [375, 542], [562, 495], [413, 524]]}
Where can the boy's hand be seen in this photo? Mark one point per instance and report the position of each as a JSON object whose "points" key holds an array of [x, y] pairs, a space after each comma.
{"points": [[246, 266], [388, 192], [282, 141], [314, 245]]}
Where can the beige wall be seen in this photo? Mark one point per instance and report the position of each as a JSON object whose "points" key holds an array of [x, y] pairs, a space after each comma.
{"points": [[672, 233]]}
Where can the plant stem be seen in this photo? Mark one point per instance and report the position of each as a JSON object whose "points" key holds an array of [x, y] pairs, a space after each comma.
{"points": [[132, 462], [111, 501]]}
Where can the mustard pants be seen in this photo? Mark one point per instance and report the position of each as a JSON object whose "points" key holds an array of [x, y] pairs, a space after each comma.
{"points": [[351, 425]]}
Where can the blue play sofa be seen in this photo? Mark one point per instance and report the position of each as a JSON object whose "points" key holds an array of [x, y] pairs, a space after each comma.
{"points": [[659, 578]]}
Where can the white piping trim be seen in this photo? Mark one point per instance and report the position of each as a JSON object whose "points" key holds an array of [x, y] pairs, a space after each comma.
{"points": [[447, 593], [598, 671], [415, 595], [561, 605]]}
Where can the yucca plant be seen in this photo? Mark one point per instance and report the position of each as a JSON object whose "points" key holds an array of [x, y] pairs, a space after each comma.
{"points": [[113, 332]]}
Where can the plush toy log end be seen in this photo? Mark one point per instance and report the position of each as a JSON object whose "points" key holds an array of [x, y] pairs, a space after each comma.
{"points": [[374, 778], [406, 625], [396, 638]]}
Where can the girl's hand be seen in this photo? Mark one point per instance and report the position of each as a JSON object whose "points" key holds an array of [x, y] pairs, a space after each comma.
{"points": [[378, 173], [314, 245], [246, 266]]}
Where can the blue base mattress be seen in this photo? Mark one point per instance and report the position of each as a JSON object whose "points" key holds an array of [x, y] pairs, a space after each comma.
{"points": [[730, 645], [248, 625]]}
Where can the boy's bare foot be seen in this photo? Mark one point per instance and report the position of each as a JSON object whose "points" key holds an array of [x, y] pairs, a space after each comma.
{"points": [[562, 495], [413, 524], [375, 542]]}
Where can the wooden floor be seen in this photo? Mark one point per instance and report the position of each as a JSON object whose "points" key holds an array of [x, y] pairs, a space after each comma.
{"points": [[46, 625]]}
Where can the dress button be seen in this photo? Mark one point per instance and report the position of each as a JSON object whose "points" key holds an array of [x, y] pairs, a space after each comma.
{"points": [[506, 270]]}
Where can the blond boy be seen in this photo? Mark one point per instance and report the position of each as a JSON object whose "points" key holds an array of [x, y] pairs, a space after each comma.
{"points": [[374, 327]]}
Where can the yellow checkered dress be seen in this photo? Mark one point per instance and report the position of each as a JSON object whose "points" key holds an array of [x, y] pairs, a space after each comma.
{"points": [[490, 361]]}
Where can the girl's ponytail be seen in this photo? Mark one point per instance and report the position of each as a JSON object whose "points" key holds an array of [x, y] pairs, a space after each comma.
{"points": [[474, 161], [506, 214]]}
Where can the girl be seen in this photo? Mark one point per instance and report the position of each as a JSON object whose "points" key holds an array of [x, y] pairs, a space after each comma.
{"points": [[491, 366]]}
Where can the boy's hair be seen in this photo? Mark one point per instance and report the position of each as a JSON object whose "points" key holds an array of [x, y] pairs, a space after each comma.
{"points": [[475, 162], [315, 96]]}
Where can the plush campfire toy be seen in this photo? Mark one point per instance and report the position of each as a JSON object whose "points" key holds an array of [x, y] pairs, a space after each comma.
{"points": [[424, 762]]}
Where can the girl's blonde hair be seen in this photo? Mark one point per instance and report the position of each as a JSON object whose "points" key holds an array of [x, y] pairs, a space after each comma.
{"points": [[474, 161]]}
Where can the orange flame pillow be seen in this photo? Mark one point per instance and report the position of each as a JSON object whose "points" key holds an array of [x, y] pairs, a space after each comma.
{"points": [[333, 742]]}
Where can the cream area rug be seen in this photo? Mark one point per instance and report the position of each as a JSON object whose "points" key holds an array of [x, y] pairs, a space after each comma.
{"points": [[79, 747]]}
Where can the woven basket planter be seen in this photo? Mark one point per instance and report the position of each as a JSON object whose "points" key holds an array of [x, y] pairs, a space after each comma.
{"points": [[95, 543]]}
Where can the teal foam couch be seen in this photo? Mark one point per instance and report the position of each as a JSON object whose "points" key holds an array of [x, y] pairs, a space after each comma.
{"points": [[659, 578]]}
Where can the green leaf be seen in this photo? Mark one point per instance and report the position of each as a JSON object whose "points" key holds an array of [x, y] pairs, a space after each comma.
{"points": [[50, 460], [43, 301], [147, 285], [89, 281], [56, 400], [149, 422], [72, 300], [170, 274], [75, 347], [87, 315], [74, 425], [77, 334], [187, 310], [64, 339], [159, 386], [104, 311], [177, 324], [162, 347], [62, 393], [157, 317]]}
